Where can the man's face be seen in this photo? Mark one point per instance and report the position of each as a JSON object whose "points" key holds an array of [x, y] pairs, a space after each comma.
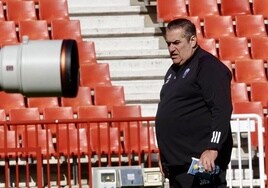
{"points": [[180, 48]]}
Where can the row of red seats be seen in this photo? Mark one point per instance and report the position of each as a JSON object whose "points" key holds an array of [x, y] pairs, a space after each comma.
{"points": [[170, 9], [19, 10], [216, 26]]}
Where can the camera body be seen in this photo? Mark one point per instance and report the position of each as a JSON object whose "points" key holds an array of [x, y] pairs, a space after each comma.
{"points": [[40, 68]]}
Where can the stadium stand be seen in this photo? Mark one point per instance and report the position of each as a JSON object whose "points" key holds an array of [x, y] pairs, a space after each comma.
{"points": [[20, 10], [8, 33], [50, 10], [250, 26], [249, 71], [202, 8], [34, 29], [218, 26]]}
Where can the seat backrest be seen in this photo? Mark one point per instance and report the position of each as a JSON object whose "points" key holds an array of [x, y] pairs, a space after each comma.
{"points": [[239, 92], [218, 26], [249, 71], [233, 48], [20, 10], [105, 140], [260, 7], [11, 100], [42, 102], [83, 98], [208, 44], [258, 92], [235, 7], [202, 8], [166, 10], [8, 33], [109, 95], [72, 142], [259, 48], [9, 139], [250, 26], [66, 29], [53, 10], [34, 29], [87, 52], [92, 75]]}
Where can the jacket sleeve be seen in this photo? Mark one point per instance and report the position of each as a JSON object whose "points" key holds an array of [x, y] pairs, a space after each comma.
{"points": [[215, 82]]}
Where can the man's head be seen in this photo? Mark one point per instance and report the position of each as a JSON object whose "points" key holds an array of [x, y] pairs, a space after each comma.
{"points": [[181, 40]]}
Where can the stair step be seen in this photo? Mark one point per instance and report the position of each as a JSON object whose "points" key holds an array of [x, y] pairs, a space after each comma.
{"points": [[98, 3]]}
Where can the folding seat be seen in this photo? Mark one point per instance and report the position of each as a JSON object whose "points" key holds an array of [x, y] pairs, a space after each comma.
{"points": [[34, 29], [2, 13], [72, 142], [53, 10], [42, 102], [260, 7], [166, 10], [250, 108], [9, 139], [8, 33], [229, 65], [239, 92], [139, 140], [92, 75], [109, 95], [83, 98], [235, 7], [258, 92], [208, 44], [249, 71], [202, 8], [250, 26], [57, 114], [39, 138], [87, 52], [259, 48], [11, 100], [233, 48], [124, 113], [218, 26], [25, 114], [94, 113], [20, 10], [105, 141], [66, 29]]}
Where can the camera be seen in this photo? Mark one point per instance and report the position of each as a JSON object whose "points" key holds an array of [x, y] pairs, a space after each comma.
{"points": [[40, 68]]}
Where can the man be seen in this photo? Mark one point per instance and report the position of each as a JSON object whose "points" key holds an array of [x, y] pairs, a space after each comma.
{"points": [[193, 116]]}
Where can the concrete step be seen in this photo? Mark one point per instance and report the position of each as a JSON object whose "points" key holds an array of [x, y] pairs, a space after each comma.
{"points": [[132, 54], [96, 3], [141, 90], [127, 69]]}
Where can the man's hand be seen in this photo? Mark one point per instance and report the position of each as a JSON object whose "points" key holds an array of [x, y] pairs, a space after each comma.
{"points": [[207, 159]]}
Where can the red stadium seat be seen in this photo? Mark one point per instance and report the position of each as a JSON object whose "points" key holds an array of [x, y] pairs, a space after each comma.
{"points": [[259, 48], [208, 44], [250, 26], [202, 8], [260, 7], [53, 10], [20, 10], [233, 48], [87, 52], [168, 9], [218, 26], [9, 139], [235, 7], [249, 71], [11, 100], [34, 29], [92, 75], [258, 92], [42, 102], [83, 98], [66, 29], [8, 33], [239, 92]]}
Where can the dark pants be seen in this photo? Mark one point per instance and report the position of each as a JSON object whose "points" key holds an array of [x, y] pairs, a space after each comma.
{"points": [[178, 178]]}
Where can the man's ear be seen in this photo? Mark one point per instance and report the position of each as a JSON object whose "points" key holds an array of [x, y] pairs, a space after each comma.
{"points": [[193, 41]]}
